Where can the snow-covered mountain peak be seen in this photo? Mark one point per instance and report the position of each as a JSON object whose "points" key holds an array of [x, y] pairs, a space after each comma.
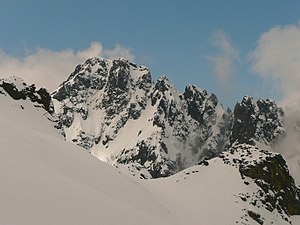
{"points": [[114, 109], [102, 74]]}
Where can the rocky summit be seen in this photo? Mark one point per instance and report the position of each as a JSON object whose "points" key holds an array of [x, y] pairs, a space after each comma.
{"points": [[257, 122], [114, 109]]}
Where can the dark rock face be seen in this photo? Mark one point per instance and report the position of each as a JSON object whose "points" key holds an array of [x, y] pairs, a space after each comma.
{"points": [[259, 121], [244, 126], [95, 81], [116, 90], [256, 217], [203, 107], [273, 175], [277, 190], [262, 122], [45, 99], [41, 96], [13, 91], [200, 105], [146, 154], [269, 121]]}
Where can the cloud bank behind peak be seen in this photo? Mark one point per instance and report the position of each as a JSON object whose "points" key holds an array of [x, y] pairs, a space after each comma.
{"points": [[48, 68], [277, 59]]}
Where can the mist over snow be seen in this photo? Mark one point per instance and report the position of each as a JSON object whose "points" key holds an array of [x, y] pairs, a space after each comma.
{"points": [[289, 146], [48, 68]]}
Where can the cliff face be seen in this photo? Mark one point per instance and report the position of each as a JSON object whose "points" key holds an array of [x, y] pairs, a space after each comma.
{"points": [[279, 188], [258, 126], [17, 89], [276, 190], [257, 122]]}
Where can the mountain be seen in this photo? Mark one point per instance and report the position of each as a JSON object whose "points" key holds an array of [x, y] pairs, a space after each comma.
{"points": [[46, 180], [223, 167], [257, 123], [102, 100], [148, 129]]}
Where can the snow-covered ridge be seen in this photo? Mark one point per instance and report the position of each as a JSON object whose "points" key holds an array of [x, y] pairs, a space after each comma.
{"points": [[29, 106], [17, 89], [245, 185]]}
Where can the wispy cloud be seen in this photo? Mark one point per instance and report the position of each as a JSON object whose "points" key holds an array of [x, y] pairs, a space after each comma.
{"points": [[224, 61], [48, 68], [118, 51], [277, 59]]}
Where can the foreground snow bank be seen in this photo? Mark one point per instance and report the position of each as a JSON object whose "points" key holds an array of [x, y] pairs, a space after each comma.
{"points": [[45, 180]]}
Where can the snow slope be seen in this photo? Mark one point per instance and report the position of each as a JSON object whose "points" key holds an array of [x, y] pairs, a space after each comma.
{"points": [[45, 180], [215, 193], [296, 220]]}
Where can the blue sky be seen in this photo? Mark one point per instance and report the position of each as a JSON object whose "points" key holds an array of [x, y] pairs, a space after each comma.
{"points": [[181, 39]]}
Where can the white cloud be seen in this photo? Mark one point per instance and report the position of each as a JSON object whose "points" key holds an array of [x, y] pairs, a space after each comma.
{"points": [[47, 68], [223, 63], [95, 49], [118, 51], [277, 58]]}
